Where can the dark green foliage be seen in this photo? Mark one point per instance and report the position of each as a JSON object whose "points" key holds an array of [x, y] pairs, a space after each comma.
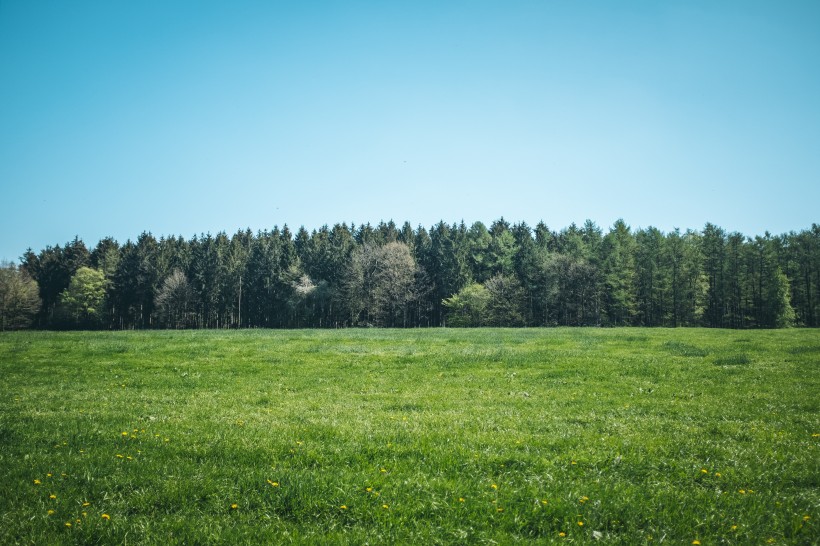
{"points": [[338, 277]]}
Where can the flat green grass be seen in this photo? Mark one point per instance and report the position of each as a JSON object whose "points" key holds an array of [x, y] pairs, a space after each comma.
{"points": [[566, 436]]}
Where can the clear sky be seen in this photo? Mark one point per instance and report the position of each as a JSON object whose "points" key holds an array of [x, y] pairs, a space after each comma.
{"points": [[118, 117]]}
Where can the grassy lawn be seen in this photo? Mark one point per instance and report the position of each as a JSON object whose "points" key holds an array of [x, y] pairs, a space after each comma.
{"points": [[628, 436]]}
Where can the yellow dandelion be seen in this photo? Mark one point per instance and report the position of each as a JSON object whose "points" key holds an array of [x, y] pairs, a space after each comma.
{"points": [[580, 524], [85, 514], [695, 541], [86, 504], [130, 458], [717, 474], [499, 509], [37, 482], [733, 527], [106, 517], [494, 486], [50, 512], [68, 524], [78, 520], [562, 534], [750, 491], [368, 489], [461, 499], [48, 475], [573, 462], [234, 506], [582, 500], [806, 518], [52, 496], [544, 501], [343, 507], [383, 470], [704, 471], [124, 434], [742, 491], [385, 506]]}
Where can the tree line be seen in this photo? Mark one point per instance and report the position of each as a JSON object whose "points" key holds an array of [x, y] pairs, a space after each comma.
{"points": [[449, 275]]}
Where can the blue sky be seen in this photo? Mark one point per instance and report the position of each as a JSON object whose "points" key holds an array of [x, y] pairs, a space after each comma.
{"points": [[188, 117]]}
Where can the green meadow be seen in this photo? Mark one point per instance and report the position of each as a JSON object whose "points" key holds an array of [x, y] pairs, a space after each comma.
{"points": [[440, 436]]}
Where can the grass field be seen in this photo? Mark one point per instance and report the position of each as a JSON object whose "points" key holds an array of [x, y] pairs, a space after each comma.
{"points": [[566, 436]]}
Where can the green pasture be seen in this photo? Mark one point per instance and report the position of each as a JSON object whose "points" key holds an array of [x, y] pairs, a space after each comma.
{"points": [[441, 436]]}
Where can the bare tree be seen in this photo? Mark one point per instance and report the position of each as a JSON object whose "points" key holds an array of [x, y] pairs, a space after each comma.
{"points": [[174, 299]]}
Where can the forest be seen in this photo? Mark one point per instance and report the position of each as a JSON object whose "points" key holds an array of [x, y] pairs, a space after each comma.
{"points": [[450, 275]]}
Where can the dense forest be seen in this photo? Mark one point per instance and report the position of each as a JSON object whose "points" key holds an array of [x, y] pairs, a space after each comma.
{"points": [[449, 275]]}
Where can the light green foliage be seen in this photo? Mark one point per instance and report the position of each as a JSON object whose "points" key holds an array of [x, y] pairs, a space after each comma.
{"points": [[468, 307], [19, 298], [85, 294], [423, 436]]}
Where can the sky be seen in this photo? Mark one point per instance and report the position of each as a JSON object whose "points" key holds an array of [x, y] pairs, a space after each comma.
{"points": [[182, 118]]}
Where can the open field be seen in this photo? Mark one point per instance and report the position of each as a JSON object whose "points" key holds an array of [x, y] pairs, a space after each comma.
{"points": [[632, 436]]}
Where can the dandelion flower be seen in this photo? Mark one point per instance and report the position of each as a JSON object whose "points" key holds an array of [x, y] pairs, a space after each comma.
{"points": [[717, 474], [37, 482], [48, 475], [573, 462], [385, 506], [124, 434], [580, 524], [461, 499], [68, 524], [50, 512], [695, 542], [343, 507], [234, 506], [368, 489], [383, 470], [742, 491], [733, 527], [85, 514], [499, 509], [544, 501], [562, 534], [86, 504], [52, 496], [106, 517], [494, 486], [806, 518]]}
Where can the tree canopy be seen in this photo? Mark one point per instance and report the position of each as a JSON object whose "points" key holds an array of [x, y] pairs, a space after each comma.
{"points": [[450, 274]]}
